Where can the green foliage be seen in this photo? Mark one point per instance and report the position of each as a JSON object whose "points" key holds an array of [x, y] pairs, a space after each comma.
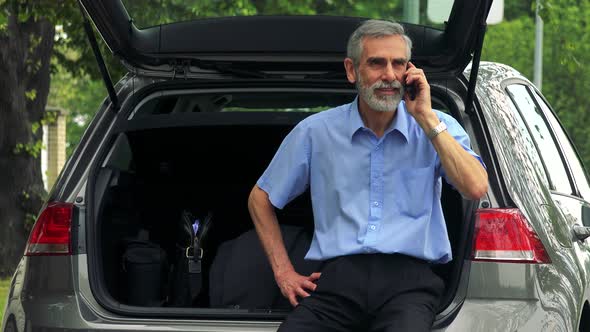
{"points": [[26, 197], [566, 73], [566, 55], [32, 148], [4, 285], [150, 13], [30, 220], [3, 17], [31, 94], [80, 96], [514, 9], [510, 43]]}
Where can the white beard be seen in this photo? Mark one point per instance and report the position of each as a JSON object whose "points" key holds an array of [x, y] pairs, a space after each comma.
{"points": [[380, 103]]}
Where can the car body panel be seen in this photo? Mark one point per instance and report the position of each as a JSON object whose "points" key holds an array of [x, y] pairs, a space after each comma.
{"points": [[561, 285], [62, 310]]}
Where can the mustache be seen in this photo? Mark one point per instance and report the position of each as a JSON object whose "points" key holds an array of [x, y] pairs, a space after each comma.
{"points": [[386, 85]]}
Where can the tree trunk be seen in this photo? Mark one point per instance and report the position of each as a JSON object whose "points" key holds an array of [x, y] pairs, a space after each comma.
{"points": [[24, 86]]}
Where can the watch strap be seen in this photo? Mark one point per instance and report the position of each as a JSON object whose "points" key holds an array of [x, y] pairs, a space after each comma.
{"points": [[437, 130]]}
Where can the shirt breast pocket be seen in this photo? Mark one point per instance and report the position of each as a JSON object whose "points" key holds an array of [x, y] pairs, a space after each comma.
{"points": [[414, 191]]}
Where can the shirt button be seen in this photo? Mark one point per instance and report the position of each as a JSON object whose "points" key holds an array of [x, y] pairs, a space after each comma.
{"points": [[372, 227], [376, 203]]}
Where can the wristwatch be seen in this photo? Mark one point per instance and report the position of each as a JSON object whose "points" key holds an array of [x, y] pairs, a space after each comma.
{"points": [[437, 130]]}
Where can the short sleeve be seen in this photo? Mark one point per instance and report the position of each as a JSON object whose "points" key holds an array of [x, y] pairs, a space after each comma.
{"points": [[455, 129], [287, 175]]}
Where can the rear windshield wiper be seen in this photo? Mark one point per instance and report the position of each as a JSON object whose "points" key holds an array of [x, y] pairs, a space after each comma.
{"points": [[228, 68], [183, 68]]}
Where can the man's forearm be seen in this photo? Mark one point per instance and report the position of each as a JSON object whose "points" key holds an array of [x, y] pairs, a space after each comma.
{"points": [[269, 233], [464, 170]]}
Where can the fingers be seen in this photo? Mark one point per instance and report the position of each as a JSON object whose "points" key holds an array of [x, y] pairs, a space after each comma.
{"points": [[412, 72], [314, 276], [293, 300], [414, 75], [309, 285], [298, 286], [301, 292], [293, 294]]}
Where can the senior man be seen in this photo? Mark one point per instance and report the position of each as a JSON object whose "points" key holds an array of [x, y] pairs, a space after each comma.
{"points": [[374, 170]]}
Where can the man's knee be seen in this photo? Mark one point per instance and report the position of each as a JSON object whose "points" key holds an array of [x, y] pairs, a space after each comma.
{"points": [[303, 319]]}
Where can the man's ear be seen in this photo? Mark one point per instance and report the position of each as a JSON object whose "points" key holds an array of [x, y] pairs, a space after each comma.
{"points": [[350, 72]]}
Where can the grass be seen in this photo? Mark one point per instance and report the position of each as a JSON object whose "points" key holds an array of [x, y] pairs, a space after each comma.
{"points": [[4, 284]]}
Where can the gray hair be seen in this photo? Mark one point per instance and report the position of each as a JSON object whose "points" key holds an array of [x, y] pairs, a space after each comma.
{"points": [[374, 29]]}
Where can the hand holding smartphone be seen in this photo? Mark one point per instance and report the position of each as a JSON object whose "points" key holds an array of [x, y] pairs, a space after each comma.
{"points": [[410, 88], [411, 91]]}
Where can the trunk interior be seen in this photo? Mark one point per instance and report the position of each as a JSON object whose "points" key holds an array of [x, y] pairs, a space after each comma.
{"points": [[166, 167]]}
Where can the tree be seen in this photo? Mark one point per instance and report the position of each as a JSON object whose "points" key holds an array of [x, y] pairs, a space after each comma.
{"points": [[566, 72], [27, 40], [30, 49]]}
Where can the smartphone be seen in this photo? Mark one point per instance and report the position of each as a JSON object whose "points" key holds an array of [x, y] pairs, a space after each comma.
{"points": [[410, 89]]}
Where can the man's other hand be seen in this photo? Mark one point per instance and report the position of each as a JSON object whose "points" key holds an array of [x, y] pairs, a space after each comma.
{"points": [[293, 285]]}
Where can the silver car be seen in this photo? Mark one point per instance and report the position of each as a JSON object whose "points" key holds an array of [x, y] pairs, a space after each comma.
{"points": [[147, 227]]}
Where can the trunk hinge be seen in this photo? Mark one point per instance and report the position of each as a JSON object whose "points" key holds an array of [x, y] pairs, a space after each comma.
{"points": [[475, 64], [180, 68], [99, 59]]}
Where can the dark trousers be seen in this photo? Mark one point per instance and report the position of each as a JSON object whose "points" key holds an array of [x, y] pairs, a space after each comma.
{"points": [[372, 292]]}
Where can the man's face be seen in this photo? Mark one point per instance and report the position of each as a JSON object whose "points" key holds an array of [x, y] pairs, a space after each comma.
{"points": [[380, 73]]}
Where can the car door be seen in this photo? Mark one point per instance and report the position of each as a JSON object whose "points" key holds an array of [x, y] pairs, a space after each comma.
{"points": [[566, 180], [577, 204]]}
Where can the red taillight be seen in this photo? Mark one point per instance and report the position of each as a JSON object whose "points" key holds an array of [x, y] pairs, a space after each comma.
{"points": [[51, 234], [504, 235]]}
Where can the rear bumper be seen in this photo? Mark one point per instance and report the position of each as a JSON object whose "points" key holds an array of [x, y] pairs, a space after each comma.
{"points": [[72, 314], [70, 306], [506, 315], [66, 314]]}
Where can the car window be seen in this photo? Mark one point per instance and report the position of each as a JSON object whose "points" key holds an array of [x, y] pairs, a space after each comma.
{"points": [[529, 146], [578, 170], [144, 14], [543, 138], [120, 156]]}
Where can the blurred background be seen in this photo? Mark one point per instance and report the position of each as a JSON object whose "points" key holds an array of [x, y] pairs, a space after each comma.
{"points": [[50, 86]]}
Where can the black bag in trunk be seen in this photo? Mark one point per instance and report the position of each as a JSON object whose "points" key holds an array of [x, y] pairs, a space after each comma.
{"points": [[187, 275], [145, 270]]}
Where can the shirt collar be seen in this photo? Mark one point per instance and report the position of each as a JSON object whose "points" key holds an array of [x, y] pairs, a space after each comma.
{"points": [[356, 122], [400, 121]]}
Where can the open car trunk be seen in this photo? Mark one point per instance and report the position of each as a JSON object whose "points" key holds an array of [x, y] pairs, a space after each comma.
{"points": [[196, 157]]}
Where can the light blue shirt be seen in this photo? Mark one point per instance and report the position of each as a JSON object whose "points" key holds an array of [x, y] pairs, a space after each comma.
{"points": [[369, 194]]}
